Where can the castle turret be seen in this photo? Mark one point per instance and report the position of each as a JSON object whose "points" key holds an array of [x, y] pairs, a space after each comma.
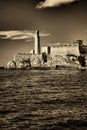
{"points": [[80, 45], [37, 43], [80, 42]]}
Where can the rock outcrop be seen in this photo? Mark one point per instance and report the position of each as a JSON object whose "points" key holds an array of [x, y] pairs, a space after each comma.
{"points": [[36, 60], [58, 60], [22, 60], [11, 64], [28, 61]]}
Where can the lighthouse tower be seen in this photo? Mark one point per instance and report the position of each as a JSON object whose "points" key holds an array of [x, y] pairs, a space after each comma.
{"points": [[37, 42]]}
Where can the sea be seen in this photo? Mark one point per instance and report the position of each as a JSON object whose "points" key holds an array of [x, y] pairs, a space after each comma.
{"points": [[43, 99]]}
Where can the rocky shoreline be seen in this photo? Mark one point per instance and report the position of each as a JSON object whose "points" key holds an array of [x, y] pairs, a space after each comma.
{"points": [[43, 61], [47, 68]]}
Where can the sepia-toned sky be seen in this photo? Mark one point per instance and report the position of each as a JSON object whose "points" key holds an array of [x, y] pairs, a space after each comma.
{"points": [[57, 21]]}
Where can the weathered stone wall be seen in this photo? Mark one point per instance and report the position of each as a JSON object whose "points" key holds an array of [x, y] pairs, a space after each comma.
{"points": [[36, 60], [22, 60], [60, 50], [46, 50], [66, 49], [22, 56], [74, 49], [54, 60]]}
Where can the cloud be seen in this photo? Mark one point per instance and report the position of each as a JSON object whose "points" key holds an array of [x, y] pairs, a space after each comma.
{"points": [[18, 35], [52, 3]]}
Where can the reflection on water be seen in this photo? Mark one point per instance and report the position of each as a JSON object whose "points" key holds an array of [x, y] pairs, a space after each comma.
{"points": [[43, 99]]}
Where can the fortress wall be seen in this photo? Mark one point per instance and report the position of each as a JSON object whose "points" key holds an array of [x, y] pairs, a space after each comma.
{"points": [[22, 56], [46, 50], [66, 49], [61, 60], [74, 50], [22, 60], [60, 50], [36, 60]]}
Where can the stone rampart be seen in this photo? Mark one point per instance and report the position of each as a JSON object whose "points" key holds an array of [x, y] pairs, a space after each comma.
{"points": [[36, 60], [22, 56], [66, 49], [59, 56], [60, 60], [22, 60], [74, 49]]}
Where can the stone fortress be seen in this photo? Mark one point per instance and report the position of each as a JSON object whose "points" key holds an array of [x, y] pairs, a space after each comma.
{"points": [[55, 56]]}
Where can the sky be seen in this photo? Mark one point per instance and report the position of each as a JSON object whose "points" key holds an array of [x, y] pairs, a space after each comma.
{"points": [[60, 21]]}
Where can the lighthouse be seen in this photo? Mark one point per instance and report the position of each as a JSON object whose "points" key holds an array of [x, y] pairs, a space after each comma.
{"points": [[37, 42]]}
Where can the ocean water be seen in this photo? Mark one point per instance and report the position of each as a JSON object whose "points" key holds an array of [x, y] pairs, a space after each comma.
{"points": [[43, 99]]}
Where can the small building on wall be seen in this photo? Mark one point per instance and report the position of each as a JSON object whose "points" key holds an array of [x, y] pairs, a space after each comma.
{"points": [[32, 52]]}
